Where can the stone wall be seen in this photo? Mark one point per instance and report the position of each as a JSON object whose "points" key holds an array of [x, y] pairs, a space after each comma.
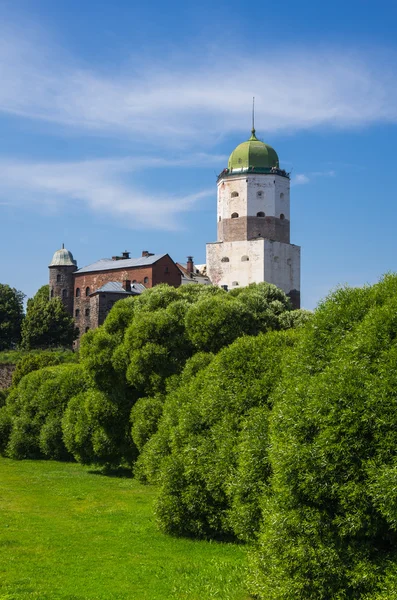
{"points": [[6, 372]]}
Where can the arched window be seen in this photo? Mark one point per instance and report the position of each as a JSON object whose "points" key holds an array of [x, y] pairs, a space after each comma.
{"points": [[282, 216], [235, 283], [146, 280], [87, 329], [87, 291], [225, 259], [52, 293], [58, 278], [87, 312], [77, 292], [244, 258], [260, 214], [64, 293], [234, 215], [234, 194], [77, 312]]}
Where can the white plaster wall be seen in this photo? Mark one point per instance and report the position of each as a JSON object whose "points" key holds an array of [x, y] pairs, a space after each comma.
{"points": [[282, 265], [228, 205], [275, 199], [236, 270], [274, 262]]}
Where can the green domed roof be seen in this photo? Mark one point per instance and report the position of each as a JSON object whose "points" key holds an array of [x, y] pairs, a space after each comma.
{"points": [[63, 258], [253, 154]]}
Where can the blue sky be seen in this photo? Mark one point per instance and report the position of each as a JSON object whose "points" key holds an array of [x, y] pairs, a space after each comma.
{"points": [[116, 117]]}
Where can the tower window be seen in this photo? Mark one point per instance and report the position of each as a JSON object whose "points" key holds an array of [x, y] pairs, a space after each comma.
{"points": [[77, 292], [77, 312], [234, 194], [260, 194], [58, 278], [282, 216], [225, 259], [244, 258], [260, 214], [64, 293], [281, 195], [87, 291], [87, 329], [52, 293], [87, 312], [146, 280], [234, 215]]}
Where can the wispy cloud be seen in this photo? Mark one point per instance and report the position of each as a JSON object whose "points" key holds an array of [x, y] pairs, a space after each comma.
{"points": [[102, 186], [303, 178], [195, 102]]}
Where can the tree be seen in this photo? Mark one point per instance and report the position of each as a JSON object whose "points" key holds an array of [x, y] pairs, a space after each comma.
{"points": [[11, 316], [47, 324]]}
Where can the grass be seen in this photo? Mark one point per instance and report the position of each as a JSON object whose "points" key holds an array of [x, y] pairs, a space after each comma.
{"points": [[67, 532]]}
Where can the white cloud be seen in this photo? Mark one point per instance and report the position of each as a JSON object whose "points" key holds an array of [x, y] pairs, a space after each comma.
{"points": [[300, 179], [195, 102], [100, 185]]}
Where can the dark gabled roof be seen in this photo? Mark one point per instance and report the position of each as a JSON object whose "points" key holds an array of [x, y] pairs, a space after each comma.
{"points": [[115, 287], [107, 264]]}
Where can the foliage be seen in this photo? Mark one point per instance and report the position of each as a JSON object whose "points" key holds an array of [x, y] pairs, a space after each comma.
{"points": [[47, 323], [329, 528], [11, 316], [34, 411], [96, 428], [34, 361], [211, 472]]}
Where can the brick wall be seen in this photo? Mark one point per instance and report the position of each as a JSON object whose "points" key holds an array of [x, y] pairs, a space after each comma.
{"points": [[6, 372], [90, 312], [249, 228]]}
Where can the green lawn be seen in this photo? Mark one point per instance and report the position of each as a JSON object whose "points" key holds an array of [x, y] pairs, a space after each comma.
{"points": [[67, 532]]}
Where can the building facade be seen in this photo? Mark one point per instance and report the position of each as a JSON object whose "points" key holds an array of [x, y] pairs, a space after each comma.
{"points": [[89, 293], [253, 222]]}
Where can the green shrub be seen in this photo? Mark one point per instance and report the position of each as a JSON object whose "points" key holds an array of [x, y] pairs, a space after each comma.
{"points": [[35, 408], [329, 527], [33, 361], [96, 428], [210, 481]]}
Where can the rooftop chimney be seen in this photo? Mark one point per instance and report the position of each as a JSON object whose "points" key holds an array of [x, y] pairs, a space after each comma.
{"points": [[189, 265], [145, 253], [125, 254], [127, 285]]}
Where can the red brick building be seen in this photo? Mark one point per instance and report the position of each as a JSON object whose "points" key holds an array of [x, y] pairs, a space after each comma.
{"points": [[90, 292]]}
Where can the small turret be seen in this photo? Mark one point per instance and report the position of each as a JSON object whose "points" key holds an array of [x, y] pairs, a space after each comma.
{"points": [[61, 280]]}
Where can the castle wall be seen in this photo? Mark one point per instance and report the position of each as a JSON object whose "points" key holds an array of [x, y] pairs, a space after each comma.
{"points": [[254, 261]]}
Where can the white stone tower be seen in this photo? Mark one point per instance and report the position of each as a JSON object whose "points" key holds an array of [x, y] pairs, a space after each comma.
{"points": [[254, 223]]}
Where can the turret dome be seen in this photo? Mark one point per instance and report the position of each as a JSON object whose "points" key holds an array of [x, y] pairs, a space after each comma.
{"points": [[63, 258], [253, 154]]}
